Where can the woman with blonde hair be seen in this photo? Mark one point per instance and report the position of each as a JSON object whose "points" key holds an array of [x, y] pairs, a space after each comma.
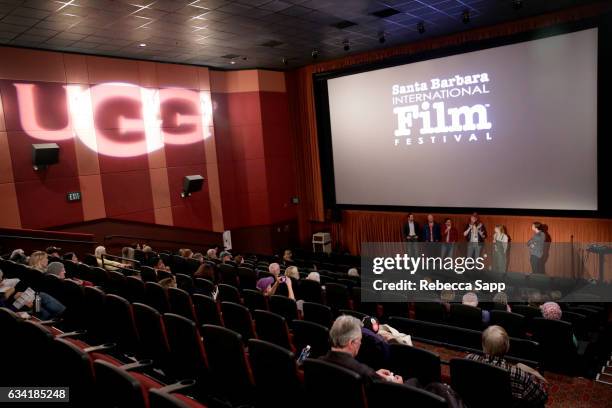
{"points": [[292, 272], [500, 249], [107, 264], [39, 261]]}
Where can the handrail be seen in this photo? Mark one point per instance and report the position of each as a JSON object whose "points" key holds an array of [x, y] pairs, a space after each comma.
{"points": [[146, 239], [119, 257], [70, 241]]}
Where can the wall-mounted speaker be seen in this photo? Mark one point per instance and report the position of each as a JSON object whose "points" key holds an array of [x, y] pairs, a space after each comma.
{"points": [[44, 154], [191, 184]]}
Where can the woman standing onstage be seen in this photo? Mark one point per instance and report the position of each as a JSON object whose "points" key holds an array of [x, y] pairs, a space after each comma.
{"points": [[500, 249], [536, 248]]}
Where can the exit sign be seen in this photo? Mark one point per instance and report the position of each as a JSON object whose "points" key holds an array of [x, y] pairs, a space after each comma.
{"points": [[74, 196]]}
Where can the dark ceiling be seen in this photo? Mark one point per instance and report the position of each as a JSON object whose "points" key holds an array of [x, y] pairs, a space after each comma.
{"points": [[244, 33]]}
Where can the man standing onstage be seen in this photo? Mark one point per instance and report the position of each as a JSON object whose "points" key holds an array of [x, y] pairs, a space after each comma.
{"points": [[475, 233], [410, 232], [449, 237], [536, 248]]}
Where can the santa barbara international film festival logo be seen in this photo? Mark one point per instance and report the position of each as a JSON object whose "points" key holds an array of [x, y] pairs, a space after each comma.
{"points": [[426, 114]]}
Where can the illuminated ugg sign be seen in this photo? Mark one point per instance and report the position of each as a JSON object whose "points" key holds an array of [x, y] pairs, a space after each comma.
{"points": [[436, 118], [113, 119]]}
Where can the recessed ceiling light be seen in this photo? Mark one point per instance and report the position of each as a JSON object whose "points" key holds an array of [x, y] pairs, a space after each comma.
{"points": [[232, 62], [142, 45]]}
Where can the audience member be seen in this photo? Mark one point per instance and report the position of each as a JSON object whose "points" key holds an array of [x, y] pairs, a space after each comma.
{"points": [[198, 257], [58, 269], [353, 272], [211, 254], [552, 311], [70, 256], [127, 253], [107, 264], [205, 271], [471, 299], [53, 251], [374, 350], [314, 276], [225, 256], [446, 298], [19, 256], [292, 272], [288, 257], [186, 253], [168, 283], [239, 259], [269, 285], [528, 385], [274, 269], [346, 337], [501, 298], [7, 286], [39, 261]]}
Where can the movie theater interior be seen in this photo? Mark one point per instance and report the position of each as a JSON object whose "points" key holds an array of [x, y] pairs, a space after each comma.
{"points": [[306, 203]]}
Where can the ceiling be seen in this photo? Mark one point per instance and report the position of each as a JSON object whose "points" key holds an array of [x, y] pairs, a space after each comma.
{"points": [[236, 34]]}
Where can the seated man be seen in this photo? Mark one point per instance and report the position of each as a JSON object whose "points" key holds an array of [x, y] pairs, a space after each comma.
{"points": [[345, 336], [528, 385], [57, 269]]}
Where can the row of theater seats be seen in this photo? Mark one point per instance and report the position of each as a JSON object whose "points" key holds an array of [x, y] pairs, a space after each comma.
{"points": [[39, 355]]}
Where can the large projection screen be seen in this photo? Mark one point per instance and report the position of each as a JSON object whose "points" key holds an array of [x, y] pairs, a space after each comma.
{"points": [[508, 127]]}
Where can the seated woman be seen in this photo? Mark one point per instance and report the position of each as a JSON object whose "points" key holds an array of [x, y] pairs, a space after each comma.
{"points": [[39, 261], [269, 285], [107, 264], [552, 311], [374, 350]]}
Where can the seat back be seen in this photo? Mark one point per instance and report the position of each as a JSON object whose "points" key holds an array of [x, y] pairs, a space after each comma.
{"points": [[120, 325], [152, 334], [329, 385], [429, 311], [254, 299], [384, 394], [274, 368], [228, 274], [148, 274], [72, 368], [283, 306], [94, 310], [117, 388], [318, 313], [465, 316], [247, 276], [116, 283], [188, 359], [204, 286], [493, 383], [185, 282], [310, 334], [157, 297], [337, 296], [558, 351], [134, 290], [513, 323], [206, 310], [310, 291], [272, 327], [411, 362], [238, 318], [229, 293], [180, 303], [229, 370]]}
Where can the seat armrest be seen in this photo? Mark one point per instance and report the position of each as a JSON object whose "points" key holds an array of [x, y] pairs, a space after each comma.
{"points": [[101, 347], [178, 386], [75, 333], [137, 365]]}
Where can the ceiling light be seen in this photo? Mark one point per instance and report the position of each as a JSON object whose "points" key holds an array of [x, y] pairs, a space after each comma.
{"points": [[142, 45], [232, 62]]}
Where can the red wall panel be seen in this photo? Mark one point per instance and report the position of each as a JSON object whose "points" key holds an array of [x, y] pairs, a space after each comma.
{"points": [[127, 193]]}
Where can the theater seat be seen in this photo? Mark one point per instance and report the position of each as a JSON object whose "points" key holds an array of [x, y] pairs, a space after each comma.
{"points": [[181, 304], [468, 317], [329, 385], [272, 328], [238, 318], [310, 291], [492, 386], [513, 323], [134, 289], [156, 297], [206, 310], [285, 307], [152, 334], [410, 362], [230, 374], [384, 394], [312, 334], [254, 299], [72, 368], [116, 387], [120, 325], [229, 293], [274, 368], [429, 311], [188, 359], [318, 313]]}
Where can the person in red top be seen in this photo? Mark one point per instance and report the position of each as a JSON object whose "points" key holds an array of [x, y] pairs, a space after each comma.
{"points": [[448, 236]]}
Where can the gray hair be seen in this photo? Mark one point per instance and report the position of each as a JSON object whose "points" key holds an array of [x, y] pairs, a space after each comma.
{"points": [[314, 276], [211, 253], [274, 268], [55, 268], [353, 272], [100, 250], [345, 329]]}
